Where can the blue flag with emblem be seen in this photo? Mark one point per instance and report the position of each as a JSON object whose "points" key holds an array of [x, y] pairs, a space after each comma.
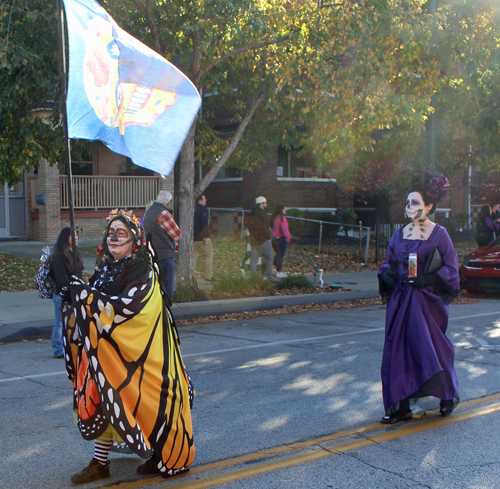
{"points": [[123, 93]]}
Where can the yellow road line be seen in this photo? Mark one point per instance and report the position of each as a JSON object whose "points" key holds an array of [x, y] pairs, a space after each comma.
{"points": [[400, 431]]}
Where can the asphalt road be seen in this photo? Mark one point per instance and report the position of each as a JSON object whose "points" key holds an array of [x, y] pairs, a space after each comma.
{"points": [[282, 402]]}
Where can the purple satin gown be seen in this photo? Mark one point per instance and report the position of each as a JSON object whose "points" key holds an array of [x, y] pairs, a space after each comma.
{"points": [[418, 357]]}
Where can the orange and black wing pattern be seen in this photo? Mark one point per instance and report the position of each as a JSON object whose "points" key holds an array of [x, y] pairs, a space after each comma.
{"points": [[134, 360]]}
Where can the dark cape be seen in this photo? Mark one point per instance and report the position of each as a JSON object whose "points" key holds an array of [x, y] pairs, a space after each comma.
{"points": [[418, 358]]}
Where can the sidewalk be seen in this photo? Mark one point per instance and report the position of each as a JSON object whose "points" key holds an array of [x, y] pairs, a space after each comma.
{"points": [[23, 315]]}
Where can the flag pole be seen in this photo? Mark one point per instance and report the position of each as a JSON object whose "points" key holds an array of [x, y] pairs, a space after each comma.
{"points": [[67, 146]]}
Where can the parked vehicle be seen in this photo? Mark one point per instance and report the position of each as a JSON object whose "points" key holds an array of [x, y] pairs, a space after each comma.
{"points": [[480, 271]]}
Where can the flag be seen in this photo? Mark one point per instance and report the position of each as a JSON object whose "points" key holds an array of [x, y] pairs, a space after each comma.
{"points": [[123, 93]]}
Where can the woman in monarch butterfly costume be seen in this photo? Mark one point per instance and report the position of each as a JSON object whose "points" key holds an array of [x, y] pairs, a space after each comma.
{"points": [[131, 389]]}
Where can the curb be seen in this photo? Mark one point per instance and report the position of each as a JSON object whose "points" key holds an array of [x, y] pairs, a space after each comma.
{"points": [[34, 330]]}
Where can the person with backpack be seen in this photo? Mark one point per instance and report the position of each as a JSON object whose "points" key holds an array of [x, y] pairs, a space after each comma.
{"points": [[61, 270]]}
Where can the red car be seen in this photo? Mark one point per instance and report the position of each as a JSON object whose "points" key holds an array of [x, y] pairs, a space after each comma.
{"points": [[480, 271]]}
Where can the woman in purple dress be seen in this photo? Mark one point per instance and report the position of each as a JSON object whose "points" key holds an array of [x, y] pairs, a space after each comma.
{"points": [[418, 358]]}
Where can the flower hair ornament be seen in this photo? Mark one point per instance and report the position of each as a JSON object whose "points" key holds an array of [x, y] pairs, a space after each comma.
{"points": [[431, 188], [437, 187], [133, 224], [127, 215]]}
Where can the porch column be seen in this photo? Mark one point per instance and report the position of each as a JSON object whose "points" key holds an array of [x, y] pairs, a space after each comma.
{"points": [[167, 183], [50, 214]]}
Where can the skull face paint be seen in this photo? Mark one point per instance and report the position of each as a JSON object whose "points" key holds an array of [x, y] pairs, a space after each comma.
{"points": [[415, 207]]}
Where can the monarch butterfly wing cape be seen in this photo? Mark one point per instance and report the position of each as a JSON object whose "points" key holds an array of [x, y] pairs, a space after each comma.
{"points": [[129, 356]]}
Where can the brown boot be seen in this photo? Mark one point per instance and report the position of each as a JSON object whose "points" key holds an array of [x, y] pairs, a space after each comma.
{"points": [[94, 471]]}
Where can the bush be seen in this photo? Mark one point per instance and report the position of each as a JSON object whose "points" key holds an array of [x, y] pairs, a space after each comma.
{"points": [[329, 230], [296, 227], [295, 282], [238, 286], [462, 218], [455, 227], [348, 216], [183, 293]]}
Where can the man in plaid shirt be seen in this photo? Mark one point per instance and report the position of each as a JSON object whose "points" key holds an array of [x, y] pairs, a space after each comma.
{"points": [[158, 222]]}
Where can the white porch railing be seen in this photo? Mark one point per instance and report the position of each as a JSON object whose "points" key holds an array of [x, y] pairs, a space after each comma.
{"points": [[105, 192]]}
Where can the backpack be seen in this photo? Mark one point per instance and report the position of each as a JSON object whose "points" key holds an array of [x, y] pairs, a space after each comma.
{"points": [[46, 284]]}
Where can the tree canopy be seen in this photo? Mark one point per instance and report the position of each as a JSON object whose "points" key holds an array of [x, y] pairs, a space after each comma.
{"points": [[29, 79], [354, 83], [337, 73]]}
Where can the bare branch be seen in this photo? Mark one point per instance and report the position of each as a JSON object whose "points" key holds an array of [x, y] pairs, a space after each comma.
{"points": [[226, 56], [146, 10], [195, 36], [8, 31], [207, 179]]}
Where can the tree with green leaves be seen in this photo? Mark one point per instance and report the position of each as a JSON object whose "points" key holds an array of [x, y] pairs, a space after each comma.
{"points": [[465, 47], [29, 80], [338, 72]]}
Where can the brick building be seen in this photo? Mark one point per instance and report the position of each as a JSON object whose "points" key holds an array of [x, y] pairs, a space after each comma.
{"points": [[107, 180]]}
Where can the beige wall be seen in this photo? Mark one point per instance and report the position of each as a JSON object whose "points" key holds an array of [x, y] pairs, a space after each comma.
{"points": [[50, 214]]}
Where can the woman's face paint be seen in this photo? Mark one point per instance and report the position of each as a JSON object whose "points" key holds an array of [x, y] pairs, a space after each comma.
{"points": [[119, 240], [415, 207]]}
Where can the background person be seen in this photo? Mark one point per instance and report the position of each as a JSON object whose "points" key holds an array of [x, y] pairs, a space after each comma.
{"points": [[131, 389], [61, 269], [488, 226], [260, 238], [282, 237], [418, 357], [165, 233], [202, 244]]}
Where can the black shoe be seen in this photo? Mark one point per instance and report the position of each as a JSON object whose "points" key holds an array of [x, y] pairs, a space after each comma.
{"points": [[446, 406], [59, 356], [149, 467], [94, 471], [399, 412], [396, 417], [211, 280]]}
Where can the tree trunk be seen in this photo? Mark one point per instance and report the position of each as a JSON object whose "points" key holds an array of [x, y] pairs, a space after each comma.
{"points": [[188, 192], [187, 198]]}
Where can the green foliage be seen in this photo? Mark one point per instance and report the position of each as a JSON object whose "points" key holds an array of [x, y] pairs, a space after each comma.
{"points": [[348, 216], [455, 227], [183, 293], [341, 72], [462, 217], [236, 285], [329, 230], [295, 282], [29, 77], [294, 225]]}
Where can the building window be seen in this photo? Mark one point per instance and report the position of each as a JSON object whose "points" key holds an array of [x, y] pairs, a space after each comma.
{"points": [[228, 173], [291, 165], [283, 162], [226, 131], [132, 170], [84, 164]]}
